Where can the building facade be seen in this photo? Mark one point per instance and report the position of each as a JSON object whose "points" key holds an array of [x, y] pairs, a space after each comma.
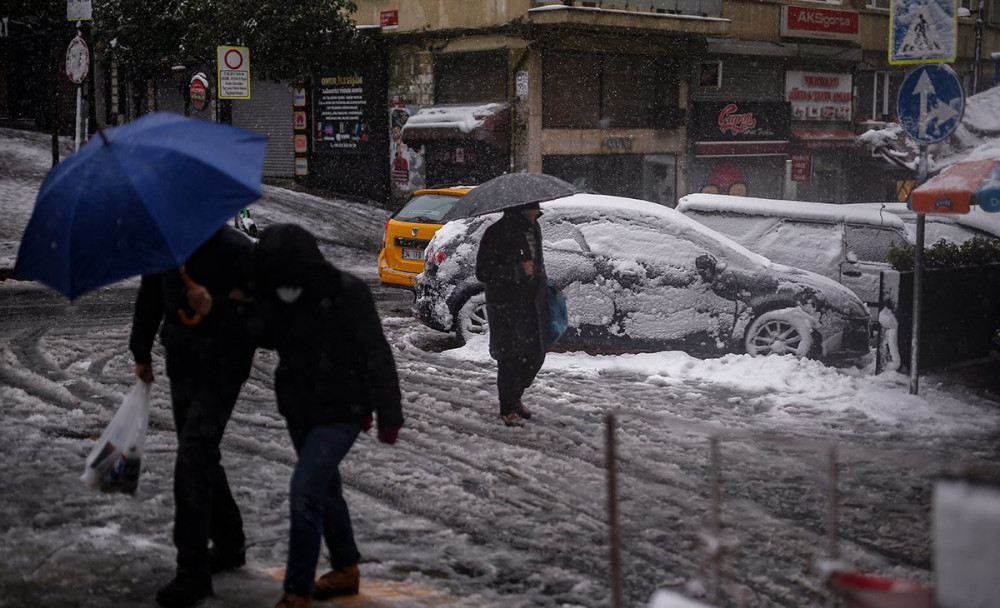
{"points": [[650, 99]]}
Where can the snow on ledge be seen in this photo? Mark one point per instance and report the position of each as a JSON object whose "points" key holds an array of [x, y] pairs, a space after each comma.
{"points": [[465, 118]]}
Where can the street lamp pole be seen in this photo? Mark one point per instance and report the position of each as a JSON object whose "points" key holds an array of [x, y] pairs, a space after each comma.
{"points": [[977, 58]]}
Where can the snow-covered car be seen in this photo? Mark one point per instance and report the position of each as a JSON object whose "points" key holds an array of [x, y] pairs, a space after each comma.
{"points": [[639, 276], [847, 243]]}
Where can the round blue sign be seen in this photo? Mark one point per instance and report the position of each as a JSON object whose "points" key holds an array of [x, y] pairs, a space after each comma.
{"points": [[930, 103]]}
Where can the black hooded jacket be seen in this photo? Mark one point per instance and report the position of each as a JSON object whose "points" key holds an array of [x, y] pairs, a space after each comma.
{"points": [[219, 343], [335, 364]]}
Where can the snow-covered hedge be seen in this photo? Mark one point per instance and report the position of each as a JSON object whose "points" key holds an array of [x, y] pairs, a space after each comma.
{"points": [[977, 251]]}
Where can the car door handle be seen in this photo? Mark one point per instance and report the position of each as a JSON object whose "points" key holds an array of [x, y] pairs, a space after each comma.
{"points": [[852, 273]]}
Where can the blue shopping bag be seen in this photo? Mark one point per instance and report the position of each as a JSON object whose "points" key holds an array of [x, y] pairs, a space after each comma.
{"points": [[558, 316]]}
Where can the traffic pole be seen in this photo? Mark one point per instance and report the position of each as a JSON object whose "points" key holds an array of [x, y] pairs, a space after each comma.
{"points": [[918, 282]]}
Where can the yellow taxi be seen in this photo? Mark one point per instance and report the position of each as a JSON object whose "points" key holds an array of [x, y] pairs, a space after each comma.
{"points": [[408, 231]]}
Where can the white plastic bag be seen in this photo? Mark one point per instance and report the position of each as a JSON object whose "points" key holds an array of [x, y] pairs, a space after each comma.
{"points": [[113, 465]]}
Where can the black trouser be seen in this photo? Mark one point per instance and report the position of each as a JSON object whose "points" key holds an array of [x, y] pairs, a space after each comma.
{"points": [[515, 374], [204, 505]]}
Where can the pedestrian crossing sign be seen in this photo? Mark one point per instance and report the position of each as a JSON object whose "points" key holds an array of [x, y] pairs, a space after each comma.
{"points": [[922, 31]]}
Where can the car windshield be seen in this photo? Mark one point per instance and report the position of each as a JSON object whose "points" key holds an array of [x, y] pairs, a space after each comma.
{"points": [[426, 208]]}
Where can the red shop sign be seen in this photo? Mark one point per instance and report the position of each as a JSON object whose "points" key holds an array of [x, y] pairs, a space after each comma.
{"points": [[824, 23], [388, 19]]}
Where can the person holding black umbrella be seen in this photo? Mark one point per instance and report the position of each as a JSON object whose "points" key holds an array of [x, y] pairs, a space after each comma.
{"points": [[511, 265], [203, 310]]}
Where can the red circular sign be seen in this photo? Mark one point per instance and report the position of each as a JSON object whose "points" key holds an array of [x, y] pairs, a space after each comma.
{"points": [[199, 95], [233, 59]]}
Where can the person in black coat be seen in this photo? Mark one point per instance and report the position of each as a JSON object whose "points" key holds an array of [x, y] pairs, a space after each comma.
{"points": [[511, 266], [203, 311], [335, 370]]}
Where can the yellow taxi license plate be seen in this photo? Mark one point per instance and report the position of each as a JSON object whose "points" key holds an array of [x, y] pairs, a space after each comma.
{"points": [[413, 254]]}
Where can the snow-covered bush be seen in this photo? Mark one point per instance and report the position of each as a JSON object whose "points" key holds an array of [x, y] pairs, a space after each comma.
{"points": [[977, 251]]}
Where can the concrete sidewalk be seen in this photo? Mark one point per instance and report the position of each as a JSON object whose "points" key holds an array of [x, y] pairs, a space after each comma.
{"points": [[249, 588]]}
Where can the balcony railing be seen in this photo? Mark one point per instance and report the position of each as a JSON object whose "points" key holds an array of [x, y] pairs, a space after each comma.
{"points": [[705, 8]]}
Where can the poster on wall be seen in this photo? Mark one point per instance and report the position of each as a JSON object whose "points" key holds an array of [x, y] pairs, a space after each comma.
{"points": [[725, 177], [818, 95], [339, 115], [801, 168], [406, 164]]}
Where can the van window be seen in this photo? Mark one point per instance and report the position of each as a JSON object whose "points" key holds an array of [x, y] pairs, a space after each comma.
{"points": [[812, 246], [869, 243]]}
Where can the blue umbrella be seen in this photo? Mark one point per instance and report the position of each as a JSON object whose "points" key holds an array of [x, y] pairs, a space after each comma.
{"points": [[139, 199]]}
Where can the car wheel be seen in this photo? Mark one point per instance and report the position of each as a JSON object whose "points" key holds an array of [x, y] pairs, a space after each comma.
{"points": [[779, 333], [471, 319]]}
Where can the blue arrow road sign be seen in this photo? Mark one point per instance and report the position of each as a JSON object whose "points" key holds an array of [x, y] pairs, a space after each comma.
{"points": [[930, 103]]}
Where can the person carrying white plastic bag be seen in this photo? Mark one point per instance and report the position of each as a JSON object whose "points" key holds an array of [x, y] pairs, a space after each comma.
{"points": [[113, 465]]}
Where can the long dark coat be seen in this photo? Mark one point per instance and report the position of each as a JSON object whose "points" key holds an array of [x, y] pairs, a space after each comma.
{"points": [[335, 364], [219, 344], [516, 305]]}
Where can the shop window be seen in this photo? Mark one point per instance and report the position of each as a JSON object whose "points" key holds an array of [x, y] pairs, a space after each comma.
{"points": [[470, 77], [875, 95], [571, 91], [970, 5], [903, 188], [600, 91], [614, 174]]}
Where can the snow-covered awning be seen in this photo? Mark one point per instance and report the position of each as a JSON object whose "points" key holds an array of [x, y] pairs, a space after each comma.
{"points": [[980, 124], [489, 123], [825, 139]]}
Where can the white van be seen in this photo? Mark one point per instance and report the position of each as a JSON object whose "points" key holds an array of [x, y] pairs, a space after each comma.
{"points": [[952, 227], [847, 243]]}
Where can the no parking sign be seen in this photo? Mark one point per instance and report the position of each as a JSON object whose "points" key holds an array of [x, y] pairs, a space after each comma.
{"points": [[234, 72]]}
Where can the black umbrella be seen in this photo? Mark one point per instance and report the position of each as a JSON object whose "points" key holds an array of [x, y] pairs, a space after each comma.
{"points": [[511, 190]]}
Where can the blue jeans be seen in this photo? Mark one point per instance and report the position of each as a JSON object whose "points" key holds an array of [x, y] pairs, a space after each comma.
{"points": [[318, 509]]}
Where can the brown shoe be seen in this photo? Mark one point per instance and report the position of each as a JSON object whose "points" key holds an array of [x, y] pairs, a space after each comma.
{"points": [[290, 600], [512, 419], [342, 581]]}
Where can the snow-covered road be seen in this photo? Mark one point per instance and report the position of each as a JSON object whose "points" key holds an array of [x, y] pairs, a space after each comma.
{"points": [[463, 511]]}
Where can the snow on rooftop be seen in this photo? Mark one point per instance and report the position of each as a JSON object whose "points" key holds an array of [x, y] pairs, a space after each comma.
{"points": [[465, 118], [782, 208]]}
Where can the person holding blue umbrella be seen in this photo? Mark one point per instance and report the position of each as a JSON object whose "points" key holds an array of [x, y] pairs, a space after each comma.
{"points": [[152, 198], [204, 312]]}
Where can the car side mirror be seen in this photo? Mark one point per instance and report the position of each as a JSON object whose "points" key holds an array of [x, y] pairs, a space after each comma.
{"points": [[852, 257], [707, 267]]}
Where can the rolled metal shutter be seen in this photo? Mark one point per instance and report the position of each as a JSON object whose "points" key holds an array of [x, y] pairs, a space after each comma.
{"points": [[269, 112]]}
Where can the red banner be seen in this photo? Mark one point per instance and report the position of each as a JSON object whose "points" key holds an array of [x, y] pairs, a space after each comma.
{"points": [[825, 23]]}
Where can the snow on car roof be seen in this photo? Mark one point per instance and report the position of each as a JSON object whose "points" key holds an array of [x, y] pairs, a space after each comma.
{"points": [[976, 218], [605, 202], [782, 208]]}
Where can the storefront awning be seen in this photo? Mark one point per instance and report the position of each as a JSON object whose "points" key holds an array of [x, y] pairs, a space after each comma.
{"points": [[488, 123], [705, 149], [824, 140]]}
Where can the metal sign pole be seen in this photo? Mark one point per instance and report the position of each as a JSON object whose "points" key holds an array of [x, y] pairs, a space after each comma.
{"points": [[79, 97], [918, 282]]}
